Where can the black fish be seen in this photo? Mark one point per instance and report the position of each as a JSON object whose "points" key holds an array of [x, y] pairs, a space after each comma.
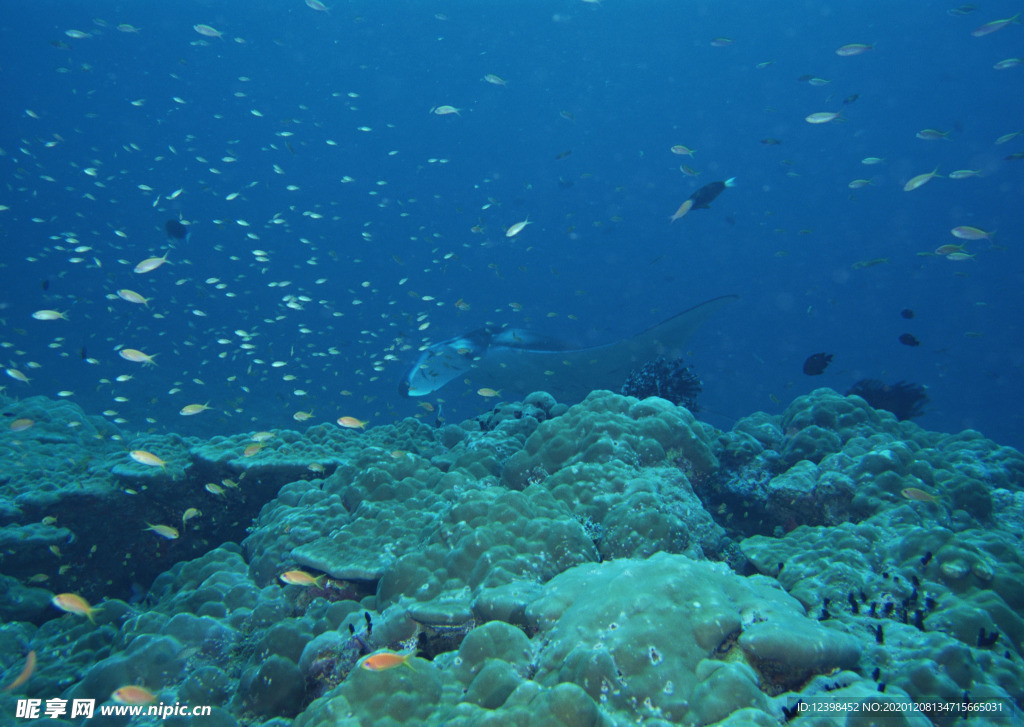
{"points": [[704, 196], [816, 364], [907, 313], [176, 230], [908, 339], [851, 98]]}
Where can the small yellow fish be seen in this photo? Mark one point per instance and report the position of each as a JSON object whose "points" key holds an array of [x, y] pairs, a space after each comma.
{"points": [[17, 375], [189, 514], [352, 423], [964, 173], [920, 180], [515, 229], [193, 409], [137, 356], [683, 150], [488, 393], [73, 603], [164, 531], [822, 117], [133, 694], [206, 30], [445, 110], [683, 209], [262, 436], [932, 134], [301, 578], [49, 315], [20, 425], [948, 249], [301, 416], [853, 49], [971, 233], [151, 263], [495, 80], [147, 458], [384, 660], [994, 26], [859, 183], [917, 494], [252, 449], [132, 297], [214, 489]]}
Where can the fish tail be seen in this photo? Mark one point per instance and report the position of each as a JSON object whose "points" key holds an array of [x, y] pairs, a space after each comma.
{"points": [[406, 662], [730, 182]]}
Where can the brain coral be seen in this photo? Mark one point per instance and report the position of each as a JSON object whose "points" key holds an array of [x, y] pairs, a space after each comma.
{"points": [[637, 636]]}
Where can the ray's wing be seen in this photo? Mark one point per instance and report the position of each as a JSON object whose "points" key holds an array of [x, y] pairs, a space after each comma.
{"points": [[517, 362]]}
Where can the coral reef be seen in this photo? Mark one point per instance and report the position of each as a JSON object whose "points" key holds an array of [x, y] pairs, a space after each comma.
{"points": [[603, 564], [669, 379]]}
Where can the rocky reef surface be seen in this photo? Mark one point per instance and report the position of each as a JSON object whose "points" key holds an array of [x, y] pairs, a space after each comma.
{"points": [[610, 563]]}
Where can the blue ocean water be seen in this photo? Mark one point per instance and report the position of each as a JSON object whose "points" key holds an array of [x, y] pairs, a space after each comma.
{"points": [[382, 225]]}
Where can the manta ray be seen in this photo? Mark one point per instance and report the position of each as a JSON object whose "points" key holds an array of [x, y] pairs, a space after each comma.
{"points": [[520, 361]]}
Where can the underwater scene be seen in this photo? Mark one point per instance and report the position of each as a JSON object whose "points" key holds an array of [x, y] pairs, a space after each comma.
{"points": [[562, 363]]}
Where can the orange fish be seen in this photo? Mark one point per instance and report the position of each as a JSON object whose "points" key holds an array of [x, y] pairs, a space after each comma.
{"points": [[132, 694], [914, 493], [147, 458], [352, 423], [384, 660], [301, 578], [30, 666], [73, 603]]}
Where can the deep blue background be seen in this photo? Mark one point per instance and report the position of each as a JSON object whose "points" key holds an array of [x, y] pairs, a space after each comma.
{"points": [[618, 84]]}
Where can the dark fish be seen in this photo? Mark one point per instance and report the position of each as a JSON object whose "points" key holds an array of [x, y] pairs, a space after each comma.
{"points": [[771, 141], [45, 285], [851, 98], [1015, 156], [176, 230], [563, 154], [907, 313], [816, 364], [908, 339], [704, 196]]}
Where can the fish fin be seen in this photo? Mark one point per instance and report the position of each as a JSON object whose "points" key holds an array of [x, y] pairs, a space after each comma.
{"points": [[730, 182]]}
